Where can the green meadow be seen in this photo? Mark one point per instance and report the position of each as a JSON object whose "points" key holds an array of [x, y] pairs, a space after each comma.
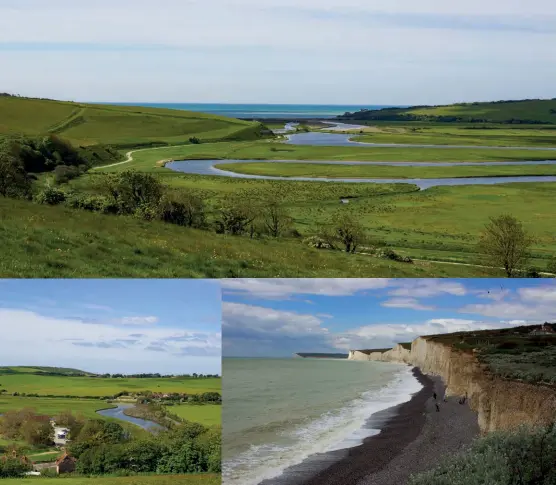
{"points": [[382, 171], [99, 386], [54, 406], [207, 414], [193, 479]]}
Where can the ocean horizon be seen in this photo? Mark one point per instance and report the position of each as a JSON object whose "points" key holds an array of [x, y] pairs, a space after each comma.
{"points": [[246, 110]]}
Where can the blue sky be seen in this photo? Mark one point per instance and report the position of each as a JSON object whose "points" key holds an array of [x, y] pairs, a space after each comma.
{"points": [[128, 326], [331, 51], [280, 317]]}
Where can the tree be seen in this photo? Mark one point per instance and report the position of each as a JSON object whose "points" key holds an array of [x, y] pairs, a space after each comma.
{"points": [[506, 243], [14, 180], [275, 218], [349, 232], [37, 432], [134, 191], [236, 217], [188, 211]]}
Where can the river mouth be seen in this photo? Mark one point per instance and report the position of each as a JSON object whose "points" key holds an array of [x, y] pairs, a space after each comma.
{"points": [[207, 167]]}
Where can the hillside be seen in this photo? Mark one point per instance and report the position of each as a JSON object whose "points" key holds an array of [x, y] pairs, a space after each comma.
{"points": [[42, 370], [119, 126], [529, 111]]}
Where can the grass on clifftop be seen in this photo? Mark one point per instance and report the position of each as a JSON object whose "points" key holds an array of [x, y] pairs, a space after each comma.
{"points": [[119, 126], [193, 479]]}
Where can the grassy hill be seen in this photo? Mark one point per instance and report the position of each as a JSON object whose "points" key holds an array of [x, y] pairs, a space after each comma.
{"points": [[119, 126], [43, 370], [529, 111]]}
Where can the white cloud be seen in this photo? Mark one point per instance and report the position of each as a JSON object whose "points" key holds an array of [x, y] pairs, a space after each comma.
{"points": [[241, 318], [285, 288], [427, 288], [540, 294], [29, 338], [136, 320], [411, 303]]}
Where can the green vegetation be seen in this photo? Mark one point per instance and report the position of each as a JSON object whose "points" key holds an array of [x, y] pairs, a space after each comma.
{"points": [[118, 126], [207, 414], [101, 387], [533, 111], [525, 352], [190, 479], [116, 217], [383, 171], [53, 406], [521, 457]]}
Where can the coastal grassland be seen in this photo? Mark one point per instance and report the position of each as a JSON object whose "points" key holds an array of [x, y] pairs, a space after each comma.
{"points": [[148, 160], [119, 126], [53, 406], [207, 414], [42, 241], [449, 135], [192, 479], [381, 171], [100, 386]]}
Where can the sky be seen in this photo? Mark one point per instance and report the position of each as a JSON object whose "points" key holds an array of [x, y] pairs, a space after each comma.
{"points": [[112, 326], [364, 52], [279, 317]]}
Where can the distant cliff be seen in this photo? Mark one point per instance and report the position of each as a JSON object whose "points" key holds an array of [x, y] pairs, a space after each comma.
{"points": [[500, 403], [309, 355]]}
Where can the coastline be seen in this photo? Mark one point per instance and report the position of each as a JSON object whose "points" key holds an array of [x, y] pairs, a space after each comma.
{"points": [[413, 437]]}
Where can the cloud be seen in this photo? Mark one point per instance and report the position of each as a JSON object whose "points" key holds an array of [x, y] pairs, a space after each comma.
{"points": [[136, 320], [286, 288], [29, 338], [411, 303], [427, 288]]}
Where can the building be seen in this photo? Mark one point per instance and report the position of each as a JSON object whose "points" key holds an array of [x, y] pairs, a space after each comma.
{"points": [[65, 464], [545, 329]]}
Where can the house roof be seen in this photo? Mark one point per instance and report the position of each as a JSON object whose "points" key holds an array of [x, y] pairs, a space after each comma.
{"points": [[65, 457]]}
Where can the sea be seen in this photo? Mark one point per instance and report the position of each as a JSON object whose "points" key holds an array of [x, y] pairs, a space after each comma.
{"points": [[280, 412], [281, 111]]}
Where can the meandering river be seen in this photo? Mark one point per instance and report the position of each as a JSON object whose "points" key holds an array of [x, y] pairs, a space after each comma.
{"points": [[206, 167], [118, 413]]}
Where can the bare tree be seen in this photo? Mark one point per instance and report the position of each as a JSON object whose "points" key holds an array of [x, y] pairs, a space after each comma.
{"points": [[275, 218], [506, 243]]}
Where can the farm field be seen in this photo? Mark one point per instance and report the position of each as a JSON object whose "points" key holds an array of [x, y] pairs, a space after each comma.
{"points": [[53, 406], [207, 414], [193, 479], [99, 387]]}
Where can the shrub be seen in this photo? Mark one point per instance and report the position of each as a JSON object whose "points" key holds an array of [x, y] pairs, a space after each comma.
{"points": [[236, 217], [50, 196], [194, 140], [317, 242], [14, 180], [135, 192], [63, 173], [188, 211], [93, 203]]}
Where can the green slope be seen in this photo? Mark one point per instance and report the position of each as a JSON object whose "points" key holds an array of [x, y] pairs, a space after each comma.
{"points": [[120, 126], [42, 370], [529, 111]]}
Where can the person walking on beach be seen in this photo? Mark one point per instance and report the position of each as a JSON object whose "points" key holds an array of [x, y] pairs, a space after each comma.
{"points": [[445, 398], [434, 395], [437, 407]]}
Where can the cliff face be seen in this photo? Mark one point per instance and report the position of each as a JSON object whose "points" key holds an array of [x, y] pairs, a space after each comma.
{"points": [[499, 403]]}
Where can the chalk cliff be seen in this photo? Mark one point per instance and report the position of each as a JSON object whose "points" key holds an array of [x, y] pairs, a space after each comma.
{"points": [[499, 403]]}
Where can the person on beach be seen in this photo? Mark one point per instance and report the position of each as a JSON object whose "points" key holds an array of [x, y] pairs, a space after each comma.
{"points": [[437, 407], [434, 395], [445, 398]]}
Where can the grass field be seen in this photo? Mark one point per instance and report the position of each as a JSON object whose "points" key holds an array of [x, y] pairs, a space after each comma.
{"points": [[381, 171], [91, 124], [41, 241], [207, 414], [98, 386], [53, 406], [194, 479]]}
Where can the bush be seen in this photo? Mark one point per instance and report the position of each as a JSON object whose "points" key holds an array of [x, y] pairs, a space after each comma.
{"points": [[317, 242], [387, 253], [14, 180], [50, 196], [194, 140], [524, 457], [189, 211], [135, 193], [63, 173], [93, 203]]}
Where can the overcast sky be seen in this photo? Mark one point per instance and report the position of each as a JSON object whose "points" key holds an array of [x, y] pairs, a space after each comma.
{"points": [[115, 326], [274, 317], [279, 51]]}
